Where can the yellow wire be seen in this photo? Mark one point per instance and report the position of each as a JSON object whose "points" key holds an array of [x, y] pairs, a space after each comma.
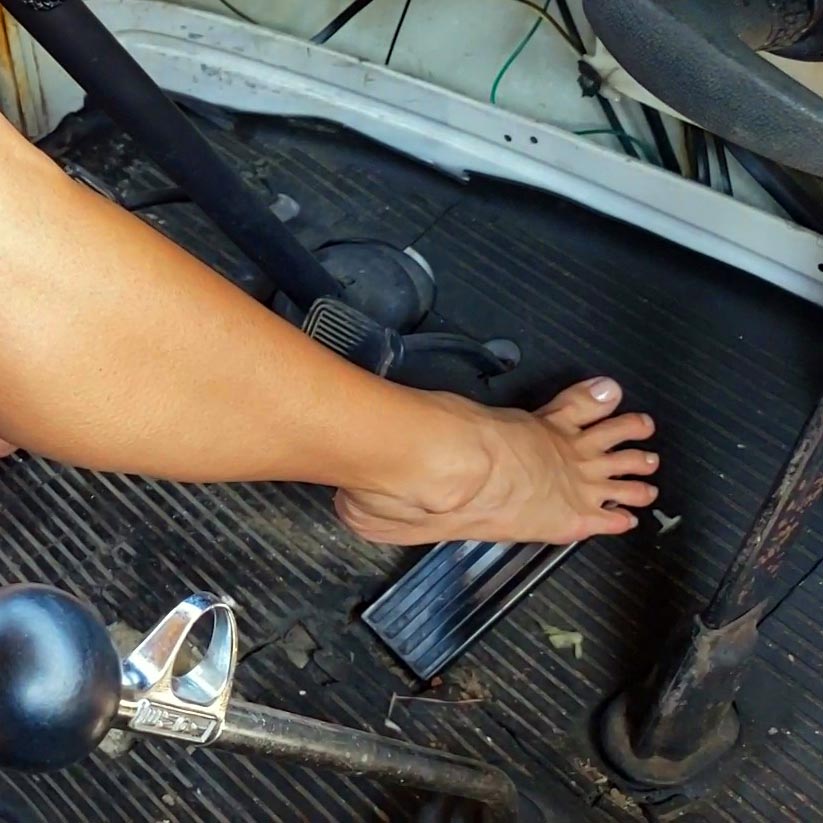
{"points": [[541, 12]]}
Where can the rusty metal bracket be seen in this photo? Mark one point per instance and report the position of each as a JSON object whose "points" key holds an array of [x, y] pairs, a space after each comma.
{"points": [[680, 724], [682, 719], [751, 576]]}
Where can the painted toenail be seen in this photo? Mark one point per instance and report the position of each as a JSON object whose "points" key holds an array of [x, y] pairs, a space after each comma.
{"points": [[604, 389]]}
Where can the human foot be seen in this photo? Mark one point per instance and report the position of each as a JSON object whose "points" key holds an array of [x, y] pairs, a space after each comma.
{"points": [[6, 449], [549, 477]]}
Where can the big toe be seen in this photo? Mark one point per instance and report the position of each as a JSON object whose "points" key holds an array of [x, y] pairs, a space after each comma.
{"points": [[584, 404]]}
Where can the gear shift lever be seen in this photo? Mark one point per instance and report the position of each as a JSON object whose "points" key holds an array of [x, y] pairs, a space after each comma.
{"points": [[63, 688]]}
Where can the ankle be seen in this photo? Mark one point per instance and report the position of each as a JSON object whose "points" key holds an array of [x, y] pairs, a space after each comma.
{"points": [[454, 463]]}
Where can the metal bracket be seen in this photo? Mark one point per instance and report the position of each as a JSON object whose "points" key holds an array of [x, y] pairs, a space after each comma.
{"points": [[191, 706], [662, 738]]}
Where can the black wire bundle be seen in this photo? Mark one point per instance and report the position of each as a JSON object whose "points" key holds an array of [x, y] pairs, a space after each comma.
{"points": [[352, 10], [238, 13], [397, 31], [661, 139], [697, 150], [722, 165]]}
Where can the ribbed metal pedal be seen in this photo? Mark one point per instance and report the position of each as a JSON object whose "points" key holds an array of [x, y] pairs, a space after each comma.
{"points": [[353, 335], [454, 595]]}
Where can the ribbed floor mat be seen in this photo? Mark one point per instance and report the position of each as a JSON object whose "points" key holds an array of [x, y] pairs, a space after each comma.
{"points": [[729, 366]]}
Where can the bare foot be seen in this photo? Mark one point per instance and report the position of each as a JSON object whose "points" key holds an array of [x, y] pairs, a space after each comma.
{"points": [[552, 476]]}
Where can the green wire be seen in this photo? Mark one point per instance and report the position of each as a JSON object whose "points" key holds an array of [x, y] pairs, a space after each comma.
{"points": [[647, 150], [513, 56], [643, 146]]}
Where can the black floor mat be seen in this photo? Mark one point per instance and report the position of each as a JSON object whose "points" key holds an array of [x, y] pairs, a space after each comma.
{"points": [[729, 366]]}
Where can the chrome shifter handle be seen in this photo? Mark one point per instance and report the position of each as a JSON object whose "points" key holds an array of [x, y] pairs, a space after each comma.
{"points": [[62, 685], [192, 706], [62, 688]]}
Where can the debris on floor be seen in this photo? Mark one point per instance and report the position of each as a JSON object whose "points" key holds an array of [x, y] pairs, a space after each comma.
{"points": [[117, 743], [562, 639], [434, 701], [469, 684], [410, 698], [624, 802], [298, 645], [591, 772], [667, 524], [125, 637], [603, 787]]}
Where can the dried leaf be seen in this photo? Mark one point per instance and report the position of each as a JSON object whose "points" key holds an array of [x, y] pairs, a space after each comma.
{"points": [[470, 685]]}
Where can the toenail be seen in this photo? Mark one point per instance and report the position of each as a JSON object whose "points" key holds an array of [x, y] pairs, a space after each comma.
{"points": [[633, 522], [647, 420], [604, 389], [652, 459]]}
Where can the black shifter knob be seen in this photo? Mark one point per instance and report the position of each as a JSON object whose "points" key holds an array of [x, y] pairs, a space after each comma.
{"points": [[59, 679]]}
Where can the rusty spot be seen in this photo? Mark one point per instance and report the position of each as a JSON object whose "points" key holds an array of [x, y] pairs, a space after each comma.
{"points": [[750, 578]]}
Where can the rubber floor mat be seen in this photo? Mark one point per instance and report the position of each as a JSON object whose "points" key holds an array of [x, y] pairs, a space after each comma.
{"points": [[729, 366]]}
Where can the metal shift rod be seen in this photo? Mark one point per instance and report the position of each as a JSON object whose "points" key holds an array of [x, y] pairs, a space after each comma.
{"points": [[64, 687], [97, 61]]}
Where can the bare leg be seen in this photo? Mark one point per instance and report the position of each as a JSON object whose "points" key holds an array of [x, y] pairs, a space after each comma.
{"points": [[119, 351]]}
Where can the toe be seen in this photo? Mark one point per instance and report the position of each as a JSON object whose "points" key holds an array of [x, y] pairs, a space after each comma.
{"points": [[6, 449], [630, 493], [623, 463], [605, 436], [610, 521], [584, 404]]}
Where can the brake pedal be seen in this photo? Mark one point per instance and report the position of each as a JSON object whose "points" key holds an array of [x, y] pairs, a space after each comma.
{"points": [[353, 335]]}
